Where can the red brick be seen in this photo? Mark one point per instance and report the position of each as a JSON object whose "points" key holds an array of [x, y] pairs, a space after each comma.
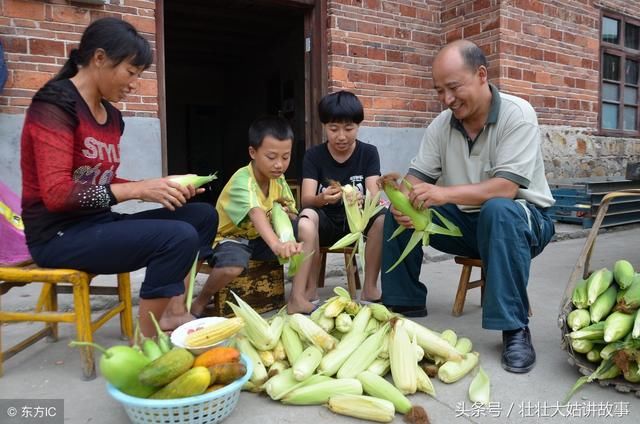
{"points": [[338, 48], [377, 78], [532, 5], [413, 58], [481, 4], [347, 24], [395, 79], [147, 87], [408, 11], [366, 27], [14, 44], [394, 56], [549, 56], [419, 105], [24, 9], [385, 30], [491, 23], [453, 35], [145, 25], [413, 82], [357, 76], [513, 24], [514, 73], [554, 34], [403, 34], [30, 80], [357, 51], [471, 30], [68, 14], [569, 82], [46, 47], [376, 54], [372, 4], [528, 75], [382, 103]]}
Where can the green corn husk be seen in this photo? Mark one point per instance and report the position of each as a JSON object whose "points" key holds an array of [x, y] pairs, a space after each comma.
{"points": [[578, 319], [630, 300], [607, 351], [319, 393], [192, 282], [579, 297], [284, 230], [332, 361], [591, 332], [195, 180], [598, 283], [617, 326], [291, 343], [480, 388], [632, 374], [581, 345], [363, 407], [307, 363], [606, 370], [635, 331], [381, 366], [377, 386], [423, 382], [603, 304], [464, 345], [623, 273], [364, 355], [422, 220], [343, 322], [594, 355]]}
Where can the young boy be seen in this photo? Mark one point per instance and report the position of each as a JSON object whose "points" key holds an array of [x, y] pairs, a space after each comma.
{"points": [[345, 159], [245, 230]]}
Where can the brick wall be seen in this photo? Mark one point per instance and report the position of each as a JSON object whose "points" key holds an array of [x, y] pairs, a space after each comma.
{"points": [[382, 51], [38, 35]]}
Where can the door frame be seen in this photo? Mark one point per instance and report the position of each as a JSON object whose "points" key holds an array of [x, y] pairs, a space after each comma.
{"points": [[315, 68]]}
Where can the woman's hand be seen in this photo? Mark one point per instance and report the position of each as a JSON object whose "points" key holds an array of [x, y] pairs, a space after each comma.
{"points": [[168, 193]]}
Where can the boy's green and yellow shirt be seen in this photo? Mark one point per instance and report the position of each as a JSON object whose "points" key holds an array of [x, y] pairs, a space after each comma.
{"points": [[239, 196]]}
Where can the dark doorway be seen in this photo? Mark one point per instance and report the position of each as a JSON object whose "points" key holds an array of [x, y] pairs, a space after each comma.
{"points": [[225, 63]]}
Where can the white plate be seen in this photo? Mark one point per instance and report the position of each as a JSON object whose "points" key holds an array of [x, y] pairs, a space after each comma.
{"points": [[179, 335]]}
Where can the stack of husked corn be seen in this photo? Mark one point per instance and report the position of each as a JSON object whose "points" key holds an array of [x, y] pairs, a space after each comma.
{"points": [[339, 357], [605, 323]]}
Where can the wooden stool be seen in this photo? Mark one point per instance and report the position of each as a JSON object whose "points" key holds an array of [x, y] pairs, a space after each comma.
{"points": [[261, 285], [465, 284], [350, 267], [46, 309]]}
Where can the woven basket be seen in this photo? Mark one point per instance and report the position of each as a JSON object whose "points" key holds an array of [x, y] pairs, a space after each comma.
{"points": [[207, 408], [580, 271]]}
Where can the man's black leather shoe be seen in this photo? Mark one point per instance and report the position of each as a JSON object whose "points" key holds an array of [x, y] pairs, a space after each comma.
{"points": [[518, 354], [408, 311]]}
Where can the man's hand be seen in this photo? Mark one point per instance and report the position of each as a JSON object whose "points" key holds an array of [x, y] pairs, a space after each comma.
{"points": [[425, 195], [287, 249], [401, 219], [331, 195]]}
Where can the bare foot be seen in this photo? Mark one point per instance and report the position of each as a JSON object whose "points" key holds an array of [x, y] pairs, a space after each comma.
{"points": [[312, 295], [300, 306], [171, 322], [370, 295]]}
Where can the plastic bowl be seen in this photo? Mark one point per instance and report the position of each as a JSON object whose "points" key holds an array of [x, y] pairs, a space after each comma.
{"points": [[207, 408], [179, 335]]}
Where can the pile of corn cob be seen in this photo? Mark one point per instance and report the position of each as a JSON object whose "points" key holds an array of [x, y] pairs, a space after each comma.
{"points": [[605, 323], [339, 357]]}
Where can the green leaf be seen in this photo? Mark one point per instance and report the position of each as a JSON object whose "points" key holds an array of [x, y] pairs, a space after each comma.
{"points": [[450, 225], [398, 230], [346, 241], [413, 242], [192, 279]]}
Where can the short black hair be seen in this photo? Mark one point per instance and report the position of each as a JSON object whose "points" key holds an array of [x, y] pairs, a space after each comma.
{"points": [[273, 126], [341, 106], [473, 56]]}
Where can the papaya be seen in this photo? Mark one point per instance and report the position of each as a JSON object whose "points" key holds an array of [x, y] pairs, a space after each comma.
{"points": [[167, 367], [191, 383]]}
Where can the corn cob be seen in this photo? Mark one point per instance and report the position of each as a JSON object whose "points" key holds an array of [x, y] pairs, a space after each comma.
{"points": [[194, 180], [450, 336], [378, 387], [635, 331], [423, 382], [598, 283], [343, 322], [581, 345], [291, 343], [450, 372], [422, 220], [284, 230], [282, 384], [263, 335], [363, 355], [364, 407], [591, 332], [623, 273], [464, 345], [617, 325], [312, 332], [380, 366], [259, 375], [307, 363], [267, 358], [279, 353], [319, 393], [431, 342], [630, 300], [380, 312], [578, 318], [579, 296], [402, 355], [594, 355], [603, 304], [278, 367], [214, 333]]}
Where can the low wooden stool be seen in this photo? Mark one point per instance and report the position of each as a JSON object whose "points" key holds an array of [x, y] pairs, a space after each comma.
{"points": [[350, 267], [46, 309], [261, 285], [465, 284]]}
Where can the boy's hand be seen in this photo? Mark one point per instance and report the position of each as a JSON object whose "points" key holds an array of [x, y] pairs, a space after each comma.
{"points": [[331, 195], [287, 249]]}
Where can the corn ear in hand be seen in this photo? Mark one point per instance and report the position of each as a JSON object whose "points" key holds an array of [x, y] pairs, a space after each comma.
{"points": [[284, 230], [195, 180]]}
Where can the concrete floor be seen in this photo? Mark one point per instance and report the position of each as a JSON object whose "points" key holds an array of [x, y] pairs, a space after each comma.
{"points": [[52, 370]]}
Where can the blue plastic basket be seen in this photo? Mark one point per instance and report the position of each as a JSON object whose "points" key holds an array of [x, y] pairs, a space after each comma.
{"points": [[203, 409]]}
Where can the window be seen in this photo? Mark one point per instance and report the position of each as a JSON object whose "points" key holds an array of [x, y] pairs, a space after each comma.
{"points": [[620, 76]]}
